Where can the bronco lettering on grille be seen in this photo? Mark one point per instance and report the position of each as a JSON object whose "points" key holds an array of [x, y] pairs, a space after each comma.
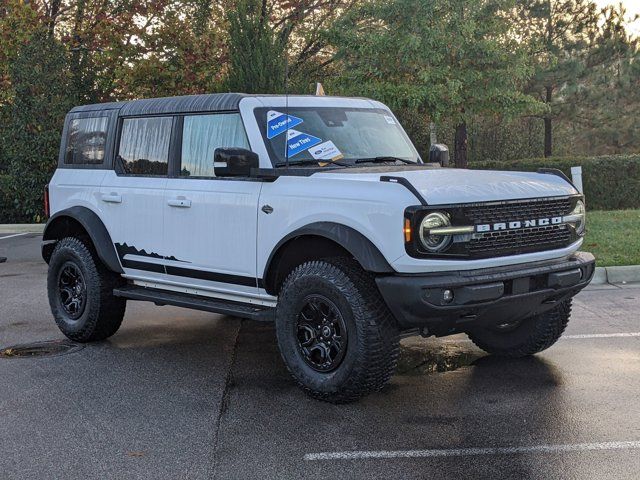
{"points": [[514, 225]]}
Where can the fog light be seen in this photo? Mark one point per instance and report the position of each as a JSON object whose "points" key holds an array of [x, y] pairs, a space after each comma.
{"points": [[447, 296]]}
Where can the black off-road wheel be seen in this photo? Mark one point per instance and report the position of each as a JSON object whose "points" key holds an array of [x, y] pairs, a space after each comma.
{"points": [[527, 337], [80, 292], [336, 335]]}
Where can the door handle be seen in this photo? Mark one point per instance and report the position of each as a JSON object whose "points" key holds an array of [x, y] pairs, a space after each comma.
{"points": [[179, 202], [111, 198]]}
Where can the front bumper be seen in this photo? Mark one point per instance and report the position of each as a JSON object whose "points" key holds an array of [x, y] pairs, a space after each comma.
{"points": [[483, 297]]}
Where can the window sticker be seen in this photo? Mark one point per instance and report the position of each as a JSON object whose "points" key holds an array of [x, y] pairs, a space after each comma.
{"points": [[278, 122], [326, 151], [299, 142], [389, 120]]}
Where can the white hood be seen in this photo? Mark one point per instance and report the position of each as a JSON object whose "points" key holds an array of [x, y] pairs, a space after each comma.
{"points": [[449, 186]]}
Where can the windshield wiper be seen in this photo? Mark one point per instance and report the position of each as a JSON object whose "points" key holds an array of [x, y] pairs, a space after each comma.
{"points": [[385, 159], [310, 161]]}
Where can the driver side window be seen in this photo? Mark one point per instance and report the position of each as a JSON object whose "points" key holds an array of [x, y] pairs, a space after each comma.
{"points": [[202, 134]]}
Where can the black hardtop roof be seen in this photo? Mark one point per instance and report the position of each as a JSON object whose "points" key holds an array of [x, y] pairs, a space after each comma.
{"points": [[212, 102]]}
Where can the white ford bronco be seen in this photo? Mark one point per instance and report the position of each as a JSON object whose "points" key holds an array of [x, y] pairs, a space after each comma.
{"points": [[315, 212]]}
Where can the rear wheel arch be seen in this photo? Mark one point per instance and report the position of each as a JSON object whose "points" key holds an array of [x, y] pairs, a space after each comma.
{"points": [[80, 291], [318, 241], [80, 222]]}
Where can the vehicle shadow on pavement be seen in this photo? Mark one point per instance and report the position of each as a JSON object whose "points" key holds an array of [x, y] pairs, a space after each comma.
{"points": [[491, 402], [512, 402]]}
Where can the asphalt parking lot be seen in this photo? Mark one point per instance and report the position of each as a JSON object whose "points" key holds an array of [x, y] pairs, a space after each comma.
{"points": [[184, 394]]}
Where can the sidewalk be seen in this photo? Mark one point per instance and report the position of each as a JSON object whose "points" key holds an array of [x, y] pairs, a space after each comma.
{"points": [[21, 227]]}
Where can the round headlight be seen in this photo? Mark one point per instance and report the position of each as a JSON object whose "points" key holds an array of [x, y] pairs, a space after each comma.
{"points": [[579, 213], [434, 243]]}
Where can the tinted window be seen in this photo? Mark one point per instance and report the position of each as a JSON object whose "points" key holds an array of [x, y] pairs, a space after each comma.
{"points": [[202, 134], [144, 145], [86, 139]]}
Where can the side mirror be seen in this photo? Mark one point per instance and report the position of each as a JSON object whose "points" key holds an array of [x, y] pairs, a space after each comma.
{"points": [[234, 162], [439, 153]]}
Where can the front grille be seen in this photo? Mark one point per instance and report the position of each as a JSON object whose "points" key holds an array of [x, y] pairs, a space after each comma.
{"points": [[520, 241], [519, 210], [502, 228]]}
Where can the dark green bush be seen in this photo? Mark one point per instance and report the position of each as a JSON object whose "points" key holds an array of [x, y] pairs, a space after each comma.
{"points": [[7, 208], [31, 137], [610, 182], [4, 198]]}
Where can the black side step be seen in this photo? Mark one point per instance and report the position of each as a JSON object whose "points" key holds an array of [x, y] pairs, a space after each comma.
{"points": [[215, 305]]}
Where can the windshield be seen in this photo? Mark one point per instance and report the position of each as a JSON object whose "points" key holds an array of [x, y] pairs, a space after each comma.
{"points": [[326, 134]]}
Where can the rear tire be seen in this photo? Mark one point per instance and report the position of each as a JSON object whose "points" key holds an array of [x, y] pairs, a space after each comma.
{"points": [[80, 292], [354, 349], [532, 335]]}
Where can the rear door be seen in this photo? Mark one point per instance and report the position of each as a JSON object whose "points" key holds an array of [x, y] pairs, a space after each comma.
{"points": [[132, 194], [210, 223]]}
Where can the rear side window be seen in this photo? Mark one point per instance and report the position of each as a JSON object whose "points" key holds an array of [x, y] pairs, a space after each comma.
{"points": [[86, 139], [144, 145], [202, 134]]}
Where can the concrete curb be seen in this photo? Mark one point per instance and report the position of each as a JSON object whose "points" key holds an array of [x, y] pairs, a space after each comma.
{"points": [[22, 228], [618, 274], [600, 276]]}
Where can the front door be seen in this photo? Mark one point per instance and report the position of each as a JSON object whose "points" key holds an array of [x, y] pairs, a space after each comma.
{"points": [[210, 224]]}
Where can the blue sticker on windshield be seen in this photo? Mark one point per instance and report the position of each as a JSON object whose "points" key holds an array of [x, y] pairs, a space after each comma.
{"points": [[299, 142], [278, 122]]}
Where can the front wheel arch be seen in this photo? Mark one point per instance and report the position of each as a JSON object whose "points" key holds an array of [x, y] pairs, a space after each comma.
{"points": [[369, 330], [317, 241]]}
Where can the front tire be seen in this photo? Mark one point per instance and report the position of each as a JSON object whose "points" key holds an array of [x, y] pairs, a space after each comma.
{"points": [[336, 335], [530, 336], [80, 292]]}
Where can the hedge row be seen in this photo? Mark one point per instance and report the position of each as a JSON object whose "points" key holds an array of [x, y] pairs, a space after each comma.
{"points": [[8, 212], [610, 182], [4, 199]]}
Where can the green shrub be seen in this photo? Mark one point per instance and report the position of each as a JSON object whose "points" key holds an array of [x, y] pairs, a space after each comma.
{"points": [[610, 182], [7, 209], [32, 139]]}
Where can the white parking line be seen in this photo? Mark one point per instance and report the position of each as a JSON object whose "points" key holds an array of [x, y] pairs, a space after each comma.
{"points": [[565, 337], [464, 452], [602, 335], [14, 235]]}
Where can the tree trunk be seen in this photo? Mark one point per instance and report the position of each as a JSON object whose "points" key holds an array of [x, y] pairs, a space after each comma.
{"points": [[548, 132], [77, 53], [461, 146], [52, 14]]}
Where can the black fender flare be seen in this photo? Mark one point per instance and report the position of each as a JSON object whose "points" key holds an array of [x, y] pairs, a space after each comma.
{"points": [[94, 227], [362, 249]]}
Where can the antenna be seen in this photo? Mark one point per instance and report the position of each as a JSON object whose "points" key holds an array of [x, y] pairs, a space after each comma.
{"points": [[286, 108]]}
